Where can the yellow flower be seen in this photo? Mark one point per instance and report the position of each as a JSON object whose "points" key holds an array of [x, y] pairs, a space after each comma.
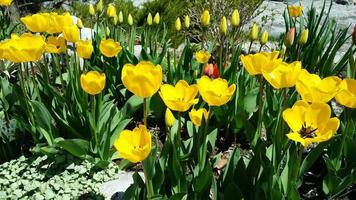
{"points": [[256, 63], [223, 25], [143, 80], [186, 21], [58, 22], [134, 145], [130, 20], [264, 38], [310, 123], [111, 11], [99, 6], [205, 18], [254, 32], [202, 56], [84, 48], [215, 92], [284, 75], [5, 2], [197, 116], [178, 24], [56, 45], [295, 11], [109, 48], [169, 118], [93, 82], [347, 94], [80, 23], [179, 97], [312, 88], [121, 17], [149, 19], [25, 48], [71, 33], [91, 10], [36, 23], [156, 19], [235, 18], [304, 37]]}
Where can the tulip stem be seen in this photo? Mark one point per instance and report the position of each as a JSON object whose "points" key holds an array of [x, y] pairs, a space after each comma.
{"points": [[148, 183], [260, 111], [249, 48], [145, 111]]}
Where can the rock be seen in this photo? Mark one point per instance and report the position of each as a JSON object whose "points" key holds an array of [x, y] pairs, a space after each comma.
{"points": [[342, 2]]}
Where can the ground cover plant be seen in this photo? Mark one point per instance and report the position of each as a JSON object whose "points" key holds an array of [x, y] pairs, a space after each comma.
{"points": [[201, 117]]}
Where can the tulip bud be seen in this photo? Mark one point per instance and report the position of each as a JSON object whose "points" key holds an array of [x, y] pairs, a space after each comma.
{"points": [[254, 32], [130, 20], [354, 35], [91, 10], [211, 70], [235, 18], [111, 11], [115, 20], [149, 19], [107, 31], [178, 24], [80, 23], [99, 6], [205, 18], [186, 21], [156, 19], [169, 118], [289, 39], [223, 25], [121, 17], [264, 38], [304, 37]]}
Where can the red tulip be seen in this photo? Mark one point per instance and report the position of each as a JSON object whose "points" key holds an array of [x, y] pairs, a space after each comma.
{"points": [[211, 70]]}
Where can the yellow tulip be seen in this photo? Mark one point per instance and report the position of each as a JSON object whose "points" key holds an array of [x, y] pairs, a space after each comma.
{"points": [[304, 37], [169, 118], [5, 2], [143, 80], [36, 23], [149, 19], [91, 10], [264, 38], [179, 97], [215, 92], [84, 48], [58, 22], [115, 20], [80, 23], [202, 56], [71, 33], [310, 123], [313, 89], [135, 145], [295, 11], [156, 19], [186, 21], [197, 116], [254, 32], [178, 24], [93, 82], [235, 18], [56, 45], [111, 11], [130, 20], [257, 63], [24, 48], [99, 6], [284, 75], [347, 94], [223, 25], [121, 17], [109, 47], [205, 18]]}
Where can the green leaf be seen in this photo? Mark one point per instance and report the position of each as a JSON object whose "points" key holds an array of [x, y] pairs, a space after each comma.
{"points": [[250, 100], [77, 147], [203, 181]]}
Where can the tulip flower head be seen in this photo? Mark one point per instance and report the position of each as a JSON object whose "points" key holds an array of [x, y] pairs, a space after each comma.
{"points": [[264, 38], [84, 48], [254, 32], [179, 97], [121, 17], [135, 145], [313, 89], [111, 11], [156, 19], [5, 2], [257, 63], [211, 70], [99, 6], [130, 20], [310, 123], [235, 18], [178, 24], [56, 45], [295, 11], [143, 80], [169, 118], [149, 19], [93, 82], [109, 47], [36, 23], [205, 18], [91, 10], [80, 23], [284, 75], [186, 21], [347, 94], [304, 37], [223, 25], [197, 116], [202, 56], [71, 33], [215, 92], [289, 38]]}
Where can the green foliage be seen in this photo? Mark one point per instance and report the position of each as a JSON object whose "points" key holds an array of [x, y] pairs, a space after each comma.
{"points": [[47, 178]]}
